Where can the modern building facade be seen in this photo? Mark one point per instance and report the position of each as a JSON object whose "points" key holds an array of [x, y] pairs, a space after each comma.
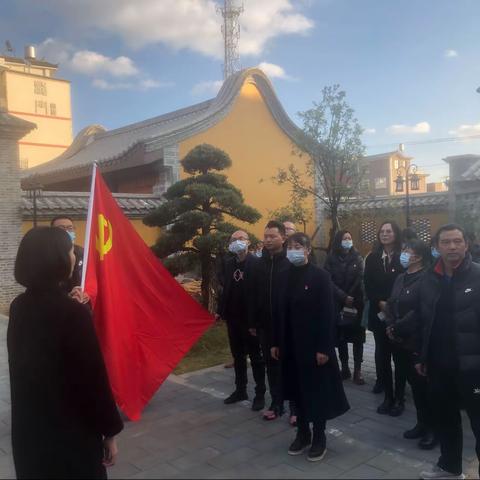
{"points": [[30, 90]]}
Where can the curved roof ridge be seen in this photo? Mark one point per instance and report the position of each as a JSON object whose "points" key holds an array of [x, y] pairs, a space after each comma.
{"points": [[163, 130]]}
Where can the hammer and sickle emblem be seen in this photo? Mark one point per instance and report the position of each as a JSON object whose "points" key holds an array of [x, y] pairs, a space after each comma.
{"points": [[103, 246]]}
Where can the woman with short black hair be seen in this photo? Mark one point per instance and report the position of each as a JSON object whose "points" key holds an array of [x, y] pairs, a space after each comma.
{"points": [[405, 331], [304, 342], [345, 265], [382, 267], [64, 417]]}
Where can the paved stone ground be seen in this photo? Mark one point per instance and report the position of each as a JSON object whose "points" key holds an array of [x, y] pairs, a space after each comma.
{"points": [[187, 432]]}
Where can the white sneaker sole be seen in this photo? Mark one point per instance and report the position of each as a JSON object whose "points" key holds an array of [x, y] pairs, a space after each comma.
{"points": [[300, 452], [317, 459], [428, 476]]}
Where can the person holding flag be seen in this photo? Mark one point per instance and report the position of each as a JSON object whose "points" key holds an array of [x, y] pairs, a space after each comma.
{"points": [[64, 418]]}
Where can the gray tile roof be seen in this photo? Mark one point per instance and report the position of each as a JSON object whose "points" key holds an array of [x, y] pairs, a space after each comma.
{"points": [[94, 144], [438, 199], [75, 204]]}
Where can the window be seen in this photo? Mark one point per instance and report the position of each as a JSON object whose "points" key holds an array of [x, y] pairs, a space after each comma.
{"points": [[41, 107], [53, 109], [380, 182], [368, 231], [39, 87], [423, 228], [395, 164]]}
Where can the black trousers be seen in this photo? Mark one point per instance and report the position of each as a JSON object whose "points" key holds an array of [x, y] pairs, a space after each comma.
{"points": [[357, 353], [385, 350], [318, 428], [406, 362], [446, 403], [241, 345], [273, 369]]}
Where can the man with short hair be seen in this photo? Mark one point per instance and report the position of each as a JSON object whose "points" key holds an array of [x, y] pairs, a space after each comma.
{"points": [[236, 306], [72, 287], [290, 228], [270, 278], [449, 311]]}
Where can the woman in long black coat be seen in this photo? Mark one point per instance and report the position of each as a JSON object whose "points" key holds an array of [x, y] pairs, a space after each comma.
{"points": [[304, 339], [64, 418], [345, 265], [382, 267]]}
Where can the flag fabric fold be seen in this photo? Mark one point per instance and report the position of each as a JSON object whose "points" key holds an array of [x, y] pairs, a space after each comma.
{"points": [[145, 321]]}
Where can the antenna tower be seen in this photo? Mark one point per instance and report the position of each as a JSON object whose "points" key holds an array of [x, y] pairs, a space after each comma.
{"points": [[231, 36]]}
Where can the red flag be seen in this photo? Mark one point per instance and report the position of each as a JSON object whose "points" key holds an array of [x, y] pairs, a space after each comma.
{"points": [[145, 321]]}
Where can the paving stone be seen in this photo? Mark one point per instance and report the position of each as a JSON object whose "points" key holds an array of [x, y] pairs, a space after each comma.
{"points": [[122, 470], [195, 458], [363, 471], [233, 458], [161, 470]]}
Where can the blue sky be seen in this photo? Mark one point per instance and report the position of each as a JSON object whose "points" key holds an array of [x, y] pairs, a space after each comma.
{"points": [[410, 67]]}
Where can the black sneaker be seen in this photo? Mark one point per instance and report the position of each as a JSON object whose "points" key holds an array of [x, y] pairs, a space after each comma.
{"points": [[300, 444], [235, 397], [385, 407], [317, 452], [418, 431], [258, 403]]}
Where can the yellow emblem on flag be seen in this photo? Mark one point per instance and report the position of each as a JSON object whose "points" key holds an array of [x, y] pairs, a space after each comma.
{"points": [[103, 246]]}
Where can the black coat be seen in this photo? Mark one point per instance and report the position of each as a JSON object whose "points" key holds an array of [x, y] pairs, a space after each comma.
{"points": [[270, 277], [466, 320], [347, 277], [402, 314], [229, 266], [61, 400], [306, 326], [379, 284]]}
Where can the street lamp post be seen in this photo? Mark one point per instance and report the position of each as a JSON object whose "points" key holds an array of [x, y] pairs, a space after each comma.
{"points": [[34, 192], [411, 180]]}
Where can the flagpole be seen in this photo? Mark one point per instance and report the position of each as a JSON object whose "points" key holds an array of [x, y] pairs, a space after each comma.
{"points": [[88, 228]]}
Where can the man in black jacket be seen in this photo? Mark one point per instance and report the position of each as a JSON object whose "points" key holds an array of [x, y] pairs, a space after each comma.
{"points": [[270, 278], [450, 357], [72, 285], [236, 306]]}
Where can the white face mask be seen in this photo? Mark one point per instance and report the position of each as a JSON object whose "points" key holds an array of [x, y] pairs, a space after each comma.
{"points": [[347, 244], [238, 246], [296, 257]]}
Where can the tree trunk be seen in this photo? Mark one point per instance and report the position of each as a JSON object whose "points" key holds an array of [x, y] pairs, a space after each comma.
{"points": [[206, 266]]}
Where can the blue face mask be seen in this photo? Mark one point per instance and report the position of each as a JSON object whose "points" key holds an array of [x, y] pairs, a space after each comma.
{"points": [[72, 236], [347, 244], [259, 253], [405, 259], [238, 246], [296, 257], [435, 253]]}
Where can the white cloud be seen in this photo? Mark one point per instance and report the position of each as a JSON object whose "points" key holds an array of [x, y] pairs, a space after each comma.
{"points": [[183, 24], [450, 53], [210, 87], [55, 51], [399, 129], [92, 63], [369, 131], [274, 71], [466, 130], [145, 84]]}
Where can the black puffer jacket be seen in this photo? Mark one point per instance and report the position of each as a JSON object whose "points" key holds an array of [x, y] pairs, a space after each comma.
{"points": [[466, 318], [402, 314]]}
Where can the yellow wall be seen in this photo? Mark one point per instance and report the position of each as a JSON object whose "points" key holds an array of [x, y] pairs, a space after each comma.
{"points": [[148, 234], [257, 147], [54, 131]]}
